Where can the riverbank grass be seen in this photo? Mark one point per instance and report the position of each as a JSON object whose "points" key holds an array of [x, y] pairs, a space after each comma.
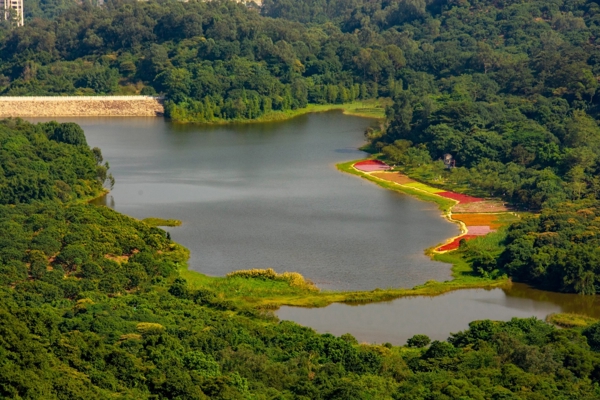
{"points": [[373, 108], [153, 221], [366, 109], [568, 320], [263, 292]]}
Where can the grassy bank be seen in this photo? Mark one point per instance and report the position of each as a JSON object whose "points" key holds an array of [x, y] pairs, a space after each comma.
{"points": [[444, 204], [270, 291], [153, 221], [568, 320], [271, 294], [367, 109]]}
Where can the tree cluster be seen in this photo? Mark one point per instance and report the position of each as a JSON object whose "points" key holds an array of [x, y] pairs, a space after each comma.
{"points": [[558, 249], [48, 161]]}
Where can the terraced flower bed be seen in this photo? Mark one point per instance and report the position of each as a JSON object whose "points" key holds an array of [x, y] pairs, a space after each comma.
{"points": [[371, 166], [463, 198], [485, 206], [395, 177]]}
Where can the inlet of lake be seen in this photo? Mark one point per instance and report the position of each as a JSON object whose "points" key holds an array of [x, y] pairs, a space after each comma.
{"points": [[268, 195]]}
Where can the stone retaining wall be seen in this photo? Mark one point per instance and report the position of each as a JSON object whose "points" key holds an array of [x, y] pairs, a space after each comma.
{"points": [[82, 106]]}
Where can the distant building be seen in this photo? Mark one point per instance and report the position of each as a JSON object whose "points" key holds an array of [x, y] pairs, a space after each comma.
{"points": [[17, 5], [449, 162]]}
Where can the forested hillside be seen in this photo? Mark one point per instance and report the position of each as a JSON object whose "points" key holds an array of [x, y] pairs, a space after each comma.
{"points": [[92, 306], [484, 63]]}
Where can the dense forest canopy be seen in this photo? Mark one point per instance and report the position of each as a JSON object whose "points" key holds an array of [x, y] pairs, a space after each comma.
{"points": [[92, 306], [48, 161]]}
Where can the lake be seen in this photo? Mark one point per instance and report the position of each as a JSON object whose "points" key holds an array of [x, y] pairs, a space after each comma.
{"points": [[269, 196]]}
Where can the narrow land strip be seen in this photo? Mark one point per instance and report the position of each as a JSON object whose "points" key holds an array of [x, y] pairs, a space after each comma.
{"points": [[478, 216]]}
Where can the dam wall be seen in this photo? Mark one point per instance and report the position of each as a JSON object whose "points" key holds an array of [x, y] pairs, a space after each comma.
{"points": [[81, 106]]}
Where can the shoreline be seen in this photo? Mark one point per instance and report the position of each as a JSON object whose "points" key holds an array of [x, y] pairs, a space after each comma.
{"points": [[270, 294], [371, 109], [424, 195]]}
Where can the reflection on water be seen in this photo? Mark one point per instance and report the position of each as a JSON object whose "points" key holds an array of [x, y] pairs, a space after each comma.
{"points": [[269, 196], [568, 302], [397, 320]]}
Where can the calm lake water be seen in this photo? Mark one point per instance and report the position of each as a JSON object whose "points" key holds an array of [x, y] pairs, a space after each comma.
{"points": [[397, 320], [269, 196]]}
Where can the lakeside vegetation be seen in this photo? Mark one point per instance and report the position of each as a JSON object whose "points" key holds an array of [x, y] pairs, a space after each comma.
{"points": [[153, 221], [444, 204], [273, 293], [374, 108], [569, 320]]}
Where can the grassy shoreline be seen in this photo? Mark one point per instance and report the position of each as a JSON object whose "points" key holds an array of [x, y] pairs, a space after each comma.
{"points": [[444, 204], [156, 222], [270, 294], [374, 109]]}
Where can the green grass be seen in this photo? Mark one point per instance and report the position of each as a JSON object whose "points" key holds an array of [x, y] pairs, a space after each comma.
{"points": [[567, 320], [270, 294], [424, 187], [153, 221], [366, 109]]}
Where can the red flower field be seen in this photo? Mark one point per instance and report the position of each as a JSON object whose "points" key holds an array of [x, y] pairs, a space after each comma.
{"points": [[371, 165], [463, 198], [455, 243]]}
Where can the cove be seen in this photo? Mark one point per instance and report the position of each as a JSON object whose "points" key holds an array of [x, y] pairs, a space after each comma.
{"points": [[268, 195], [396, 321]]}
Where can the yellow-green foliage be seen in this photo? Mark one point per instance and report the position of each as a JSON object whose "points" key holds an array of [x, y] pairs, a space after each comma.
{"points": [[149, 328], [153, 221], [568, 320], [292, 278], [130, 336], [424, 187], [83, 303]]}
